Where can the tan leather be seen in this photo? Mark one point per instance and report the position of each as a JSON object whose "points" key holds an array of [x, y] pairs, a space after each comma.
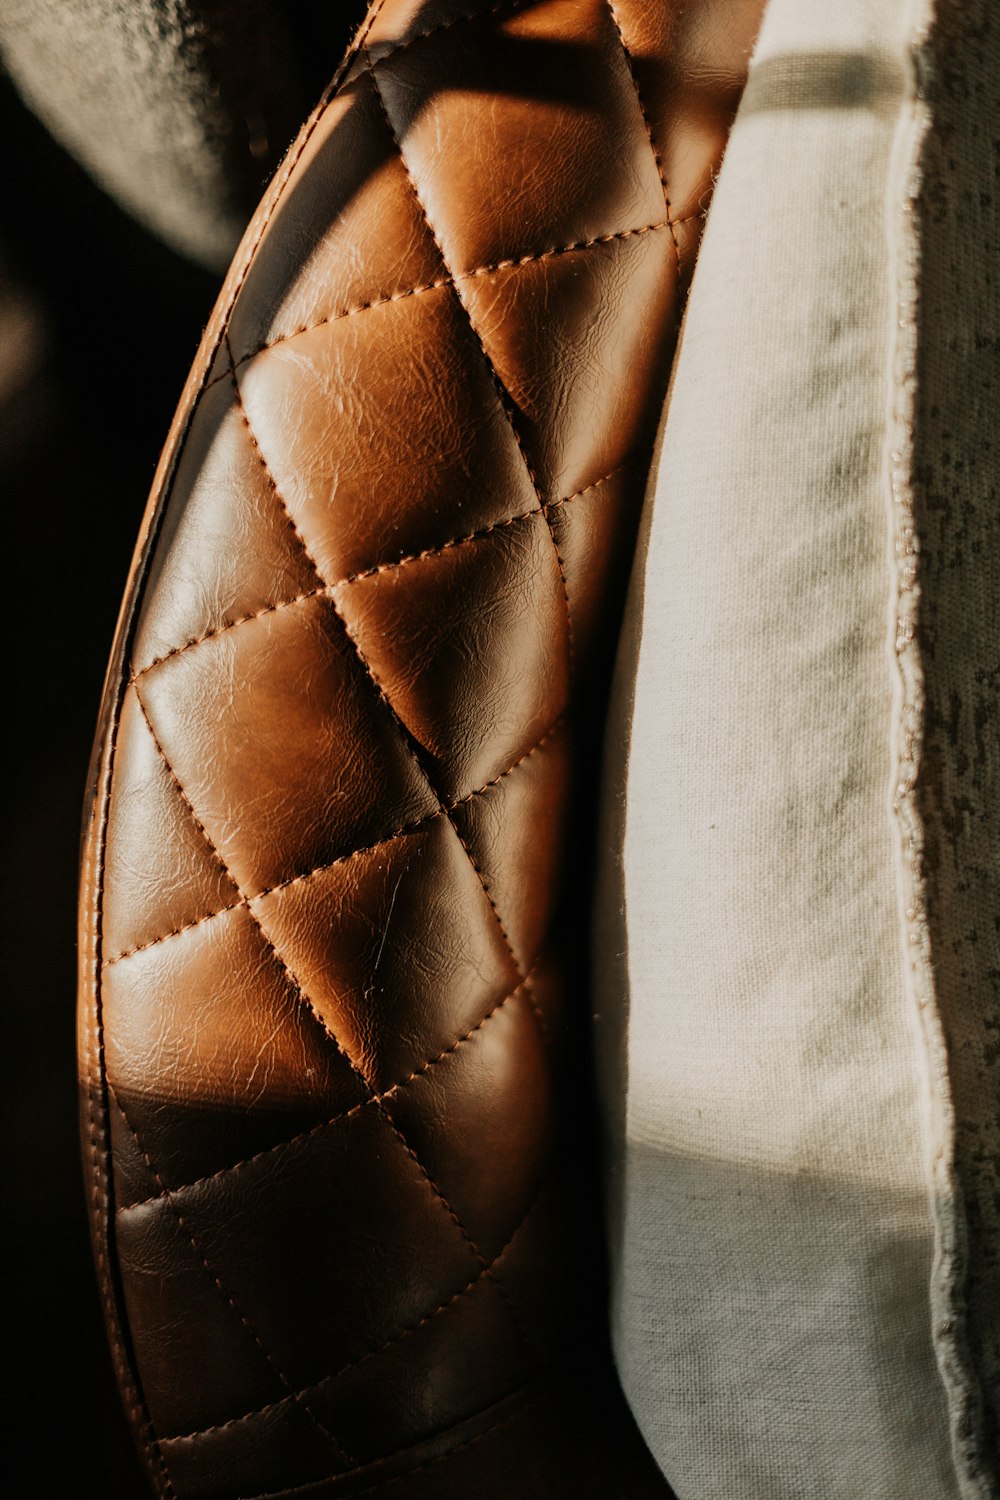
{"points": [[328, 918]]}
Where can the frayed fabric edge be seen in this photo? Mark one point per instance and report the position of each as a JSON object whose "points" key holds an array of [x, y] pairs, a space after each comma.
{"points": [[948, 1300]]}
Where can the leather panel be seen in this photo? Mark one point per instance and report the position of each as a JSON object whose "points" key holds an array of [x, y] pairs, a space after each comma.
{"points": [[331, 1017]]}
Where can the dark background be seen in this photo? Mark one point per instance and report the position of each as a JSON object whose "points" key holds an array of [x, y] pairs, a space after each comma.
{"points": [[99, 322]]}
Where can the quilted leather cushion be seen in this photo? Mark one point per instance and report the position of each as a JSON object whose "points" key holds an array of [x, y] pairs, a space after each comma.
{"points": [[329, 900]]}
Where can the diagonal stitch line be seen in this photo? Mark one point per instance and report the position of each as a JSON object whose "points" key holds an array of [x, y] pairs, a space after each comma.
{"points": [[524, 976], [282, 885], [403, 732], [298, 989], [292, 981], [281, 183], [276, 192], [306, 999], [397, 1338], [506, 405], [309, 1488], [329, 93], [304, 996], [478, 14], [428, 1463], [660, 170], [434, 1186], [295, 1140], [341, 859], [145, 1428], [570, 649], [407, 744], [379, 568], [402, 293], [542, 1026], [272, 482], [223, 1291], [475, 536]]}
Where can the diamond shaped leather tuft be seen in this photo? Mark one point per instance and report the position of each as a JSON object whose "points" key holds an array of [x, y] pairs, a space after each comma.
{"points": [[326, 990]]}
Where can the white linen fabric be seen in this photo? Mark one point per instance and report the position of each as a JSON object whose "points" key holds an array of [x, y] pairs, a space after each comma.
{"points": [[788, 1213]]}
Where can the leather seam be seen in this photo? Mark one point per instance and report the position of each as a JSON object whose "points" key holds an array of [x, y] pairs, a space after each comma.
{"points": [[660, 170], [271, 481], [397, 833], [377, 569], [383, 1484], [309, 1487], [504, 399], [294, 985], [503, 395], [250, 254], [486, 1270], [523, 974], [485, 1267], [479, 14], [337, 1119], [278, 188], [445, 281], [408, 747], [570, 643], [230, 1299]]}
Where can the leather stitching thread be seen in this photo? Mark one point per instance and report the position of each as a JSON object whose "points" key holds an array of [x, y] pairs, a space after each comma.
{"points": [[310, 1487], [396, 1338], [146, 1429], [347, 1114], [479, 14], [506, 406], [401, 832], [304, 996], [223, 1291], [328, 94], [443, 281], [407, 744], [485, 1266], [503, 395], [660, 170], [428, 1463], [379, 568], [278, 189], [290, 977], [358, 46]]}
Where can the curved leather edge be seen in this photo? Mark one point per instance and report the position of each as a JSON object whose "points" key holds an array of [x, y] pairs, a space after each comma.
{"points": [[90, 1041]]}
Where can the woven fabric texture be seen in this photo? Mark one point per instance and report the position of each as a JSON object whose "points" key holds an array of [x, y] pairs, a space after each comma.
{"points": [[786, 1217]]}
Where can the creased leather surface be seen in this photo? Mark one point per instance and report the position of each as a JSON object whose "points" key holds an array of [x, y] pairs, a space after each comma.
{"points": [[326, 894]]}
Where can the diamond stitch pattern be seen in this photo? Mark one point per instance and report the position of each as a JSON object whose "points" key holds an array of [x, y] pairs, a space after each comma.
{"points": [[357, 179], [446, 481], [396, 948], [325, 1000], [251, 563]]}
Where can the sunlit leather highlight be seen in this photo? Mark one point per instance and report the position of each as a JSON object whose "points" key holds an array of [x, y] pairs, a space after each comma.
{"points": [[326, 894]]}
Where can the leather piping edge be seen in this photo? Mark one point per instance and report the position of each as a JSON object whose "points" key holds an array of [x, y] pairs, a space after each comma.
{"points": [[92, 1077]]}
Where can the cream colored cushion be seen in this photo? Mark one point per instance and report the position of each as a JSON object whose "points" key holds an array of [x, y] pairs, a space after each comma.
{"points": [[797, 948]]}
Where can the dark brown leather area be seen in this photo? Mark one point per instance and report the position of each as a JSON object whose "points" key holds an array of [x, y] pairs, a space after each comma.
{"points": [[328, 907]]}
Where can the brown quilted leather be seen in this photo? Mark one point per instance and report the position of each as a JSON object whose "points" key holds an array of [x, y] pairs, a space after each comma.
{"points": [[326, 896]]}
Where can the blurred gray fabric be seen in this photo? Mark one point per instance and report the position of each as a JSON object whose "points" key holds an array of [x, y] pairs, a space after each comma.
{"points": [[179, 108]]}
